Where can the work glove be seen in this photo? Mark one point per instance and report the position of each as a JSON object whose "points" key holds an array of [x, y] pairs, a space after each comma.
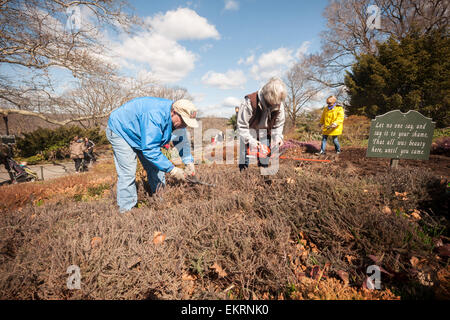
{"points": [[178, 174], [190, 170], [276, 145], [334, 125], [254, 144]]}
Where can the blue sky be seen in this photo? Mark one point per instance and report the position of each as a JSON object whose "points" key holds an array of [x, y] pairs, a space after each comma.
{"points": [[220, 50]]}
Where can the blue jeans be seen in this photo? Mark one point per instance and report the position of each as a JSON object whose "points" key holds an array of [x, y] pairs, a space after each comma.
{"points": [[337, 147], [125, 159]]}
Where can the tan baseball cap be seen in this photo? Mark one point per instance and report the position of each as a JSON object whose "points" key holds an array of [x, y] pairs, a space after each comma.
{"points": [[187, 110]]}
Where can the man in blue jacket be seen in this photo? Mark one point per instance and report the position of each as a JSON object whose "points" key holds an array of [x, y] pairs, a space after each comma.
{"points": [[139, 128]]}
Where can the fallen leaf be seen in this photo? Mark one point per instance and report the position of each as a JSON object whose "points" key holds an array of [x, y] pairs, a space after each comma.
{"points": [[365, 190], [188, 277], [96, 242], [414, 261], [416, 215], [387, 210], [344, 276], [218, 269], [158, 237], [402, 196], [350, 258], [290, 180]]}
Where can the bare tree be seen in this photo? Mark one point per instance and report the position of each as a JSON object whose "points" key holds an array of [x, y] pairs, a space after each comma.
{"points": [[301, 90], [37, 36], [351, 31], [96, 97]]}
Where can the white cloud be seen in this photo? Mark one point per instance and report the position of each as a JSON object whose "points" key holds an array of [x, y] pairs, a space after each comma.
{"points": [[183, 24], [157, 52], [231, 5], [276, 62], [232, 102], [229, 80], [248, 60], [273, 63], [168, 60]]}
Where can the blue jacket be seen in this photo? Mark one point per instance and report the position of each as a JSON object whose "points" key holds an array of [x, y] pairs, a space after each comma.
{"points": [[146, 125]]}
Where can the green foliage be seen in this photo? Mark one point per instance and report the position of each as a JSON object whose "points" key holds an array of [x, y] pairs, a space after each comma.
{"points": [[440, 133], [98, 190], [33, 159], [50, 143], [408, 75], [233, 122]]}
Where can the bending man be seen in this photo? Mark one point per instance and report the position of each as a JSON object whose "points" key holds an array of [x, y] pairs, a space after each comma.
{"points": [[139, 128]]}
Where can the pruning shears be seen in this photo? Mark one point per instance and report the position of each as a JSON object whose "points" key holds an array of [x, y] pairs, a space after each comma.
{"points": [[193, 179]]}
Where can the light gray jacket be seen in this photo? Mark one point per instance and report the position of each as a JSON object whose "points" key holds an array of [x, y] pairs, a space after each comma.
{"points": [[245, 114]]}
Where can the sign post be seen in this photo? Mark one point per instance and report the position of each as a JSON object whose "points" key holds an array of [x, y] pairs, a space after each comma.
{"points": [[398, 135]]}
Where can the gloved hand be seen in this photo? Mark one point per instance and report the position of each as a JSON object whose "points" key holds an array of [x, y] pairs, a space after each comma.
{"points": [[178, 174], [254, 144], [276, 145], [334, 125], [190, 170]]}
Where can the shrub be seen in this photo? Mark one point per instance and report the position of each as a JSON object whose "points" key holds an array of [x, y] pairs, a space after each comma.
{"points": [[241, 234], [52, 142], [441, 146], [356, 131]]}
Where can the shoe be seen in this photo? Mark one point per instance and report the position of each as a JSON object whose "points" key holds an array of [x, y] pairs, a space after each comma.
{"points": [[319, 153], [338, 152]]}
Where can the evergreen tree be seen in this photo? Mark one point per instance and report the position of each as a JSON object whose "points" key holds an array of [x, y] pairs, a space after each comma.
{"points": [[411, 74]]}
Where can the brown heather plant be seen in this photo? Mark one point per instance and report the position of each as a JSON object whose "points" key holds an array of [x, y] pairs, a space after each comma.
{"points": [[248, 238]]}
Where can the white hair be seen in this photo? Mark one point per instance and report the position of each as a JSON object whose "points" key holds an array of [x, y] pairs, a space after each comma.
{"points": [[274, 91]]}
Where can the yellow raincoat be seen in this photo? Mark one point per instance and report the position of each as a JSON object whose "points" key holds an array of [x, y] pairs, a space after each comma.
{"points": [[336, 115]]}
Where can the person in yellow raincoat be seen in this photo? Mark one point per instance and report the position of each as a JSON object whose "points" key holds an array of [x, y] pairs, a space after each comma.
{"points": [[332, 123]]}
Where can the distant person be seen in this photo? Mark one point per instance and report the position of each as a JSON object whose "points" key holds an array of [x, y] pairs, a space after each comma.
{"points": [[262, 111], [139, 129], [332, 123], [89, 154], [77, 149]]}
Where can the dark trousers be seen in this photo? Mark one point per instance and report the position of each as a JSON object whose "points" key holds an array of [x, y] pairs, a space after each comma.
{"points": [[77, 164]]}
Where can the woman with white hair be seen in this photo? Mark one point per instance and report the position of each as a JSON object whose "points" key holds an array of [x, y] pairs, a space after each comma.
{"points": [[260, 120]]}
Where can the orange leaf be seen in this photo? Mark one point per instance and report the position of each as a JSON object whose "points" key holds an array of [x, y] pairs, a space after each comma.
{"points": [[158, 237], [414, 261], [95, 242], [188, 277], [416, 215], [216, 267], [349, 258]]}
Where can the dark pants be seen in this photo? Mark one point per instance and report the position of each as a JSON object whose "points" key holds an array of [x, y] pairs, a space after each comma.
{"points": [[89, 156], [77, 164]]}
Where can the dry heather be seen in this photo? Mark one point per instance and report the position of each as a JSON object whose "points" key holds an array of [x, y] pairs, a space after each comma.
{"points": [[291, 236]]}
